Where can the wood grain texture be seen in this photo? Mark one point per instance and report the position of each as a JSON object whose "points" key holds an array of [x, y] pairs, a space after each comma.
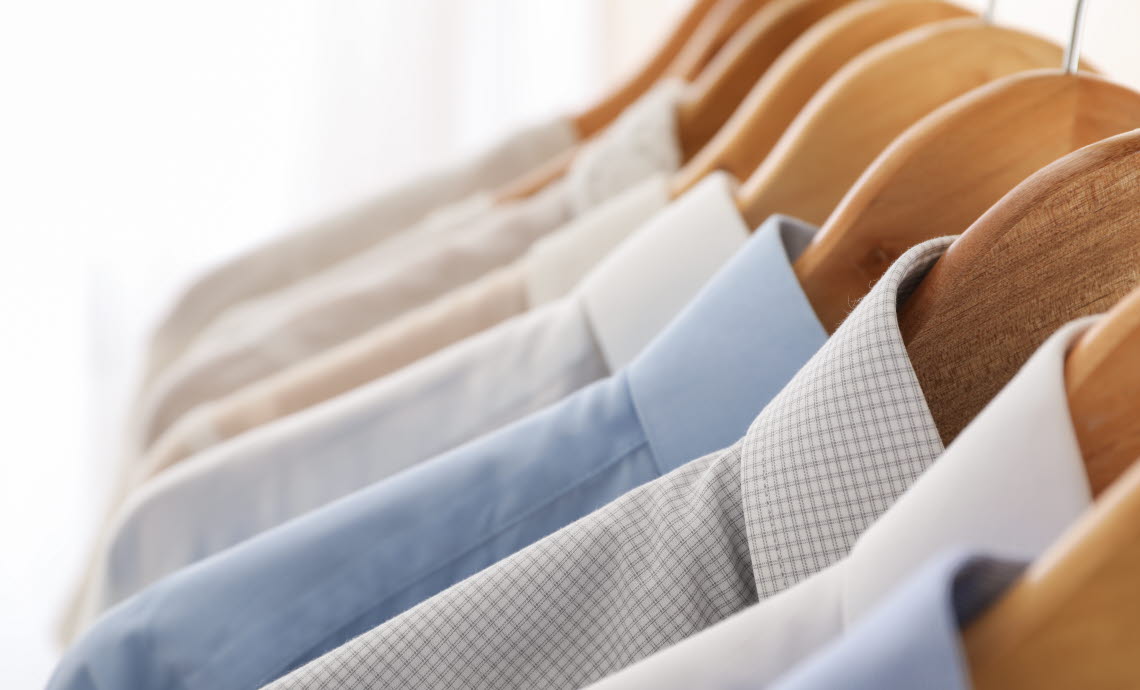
{"points": [[1064, 243], [774, 101], [946, 170], [1073, 620], [871, 100], [720, 88], [1102, 376]]}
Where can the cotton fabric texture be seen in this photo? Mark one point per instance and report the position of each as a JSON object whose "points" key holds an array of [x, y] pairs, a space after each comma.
{"points": [[549, 270], [1009, 485], [259, 338], [695, 387], [275, 473], [825, 458], [264, 336]]}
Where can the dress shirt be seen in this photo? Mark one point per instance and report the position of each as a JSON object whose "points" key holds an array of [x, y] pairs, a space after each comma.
{"points": [[825, 458], [298, 254], [550, 270], [696, 387], [913, 640], [277, 472], [1009, 485], [261, 337]]}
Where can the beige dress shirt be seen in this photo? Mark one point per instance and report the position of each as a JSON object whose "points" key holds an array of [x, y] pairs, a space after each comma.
{"points": [[552, 267], [301, 253], [263, 337]]}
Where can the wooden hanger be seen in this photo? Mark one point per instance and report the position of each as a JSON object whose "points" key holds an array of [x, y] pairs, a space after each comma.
{"points": [[694, 41], [721, 86], [749, 135], [872, 100], [715, 31], [941, 174], [1063, 244], [1102, 377], [1073, 620], [595, 118]]}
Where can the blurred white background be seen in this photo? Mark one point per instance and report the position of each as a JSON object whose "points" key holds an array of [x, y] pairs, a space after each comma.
{"points": [[143, 141]]}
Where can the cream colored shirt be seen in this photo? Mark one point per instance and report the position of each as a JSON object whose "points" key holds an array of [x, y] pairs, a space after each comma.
{"points": [[551, 268], [264, 337], [301, 253]]}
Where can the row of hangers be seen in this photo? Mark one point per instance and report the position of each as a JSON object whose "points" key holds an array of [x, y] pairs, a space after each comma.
{"points": [[890, 122]]}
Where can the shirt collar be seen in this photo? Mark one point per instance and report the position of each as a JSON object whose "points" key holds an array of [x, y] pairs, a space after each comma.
{"points": [[913, 640], [842, 441], [643, 283], [556, 263], [642, 141], [748, 331], [1010, 484]]}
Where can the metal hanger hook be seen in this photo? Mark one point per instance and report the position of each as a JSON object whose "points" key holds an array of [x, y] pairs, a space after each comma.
{"points": [[1073, 51], [988, 14]]}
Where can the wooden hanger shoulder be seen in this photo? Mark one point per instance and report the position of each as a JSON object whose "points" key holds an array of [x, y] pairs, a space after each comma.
{"points": [[715, 94], [1063, 244], [694, 41], [749, 135], [714, 32], [940, 175], [871, 101], [1073, 619], [1102, 377], [596, 117]]}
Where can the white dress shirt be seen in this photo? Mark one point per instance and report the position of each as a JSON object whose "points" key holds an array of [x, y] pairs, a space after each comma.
{"points": [[300, 253], [261, 479], [1010, 483], [263, 336]]}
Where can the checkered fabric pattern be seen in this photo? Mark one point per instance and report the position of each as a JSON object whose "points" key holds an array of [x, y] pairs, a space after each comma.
{"points": [[824, 459], [842, 441]]}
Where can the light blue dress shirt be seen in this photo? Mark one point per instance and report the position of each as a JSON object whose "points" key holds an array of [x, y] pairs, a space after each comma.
{"points": [[250, 614], [912, 640]]}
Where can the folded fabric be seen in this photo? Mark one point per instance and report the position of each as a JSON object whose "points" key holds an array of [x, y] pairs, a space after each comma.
{"points": [[300, 253], [1009, 485], [548, 271], [282, 470], [824, 459], [263, 336], [695, 388], [913, 639]]}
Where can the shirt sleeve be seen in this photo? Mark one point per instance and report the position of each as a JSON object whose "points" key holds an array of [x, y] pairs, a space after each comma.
{"points": [[651, 568]]}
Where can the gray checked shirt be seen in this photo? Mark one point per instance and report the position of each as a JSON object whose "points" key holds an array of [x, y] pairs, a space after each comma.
{"points": [[819, 464]]}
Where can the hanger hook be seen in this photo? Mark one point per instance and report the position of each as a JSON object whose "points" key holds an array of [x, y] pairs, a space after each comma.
{"points": [[988, 15], [1073, 51]]}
